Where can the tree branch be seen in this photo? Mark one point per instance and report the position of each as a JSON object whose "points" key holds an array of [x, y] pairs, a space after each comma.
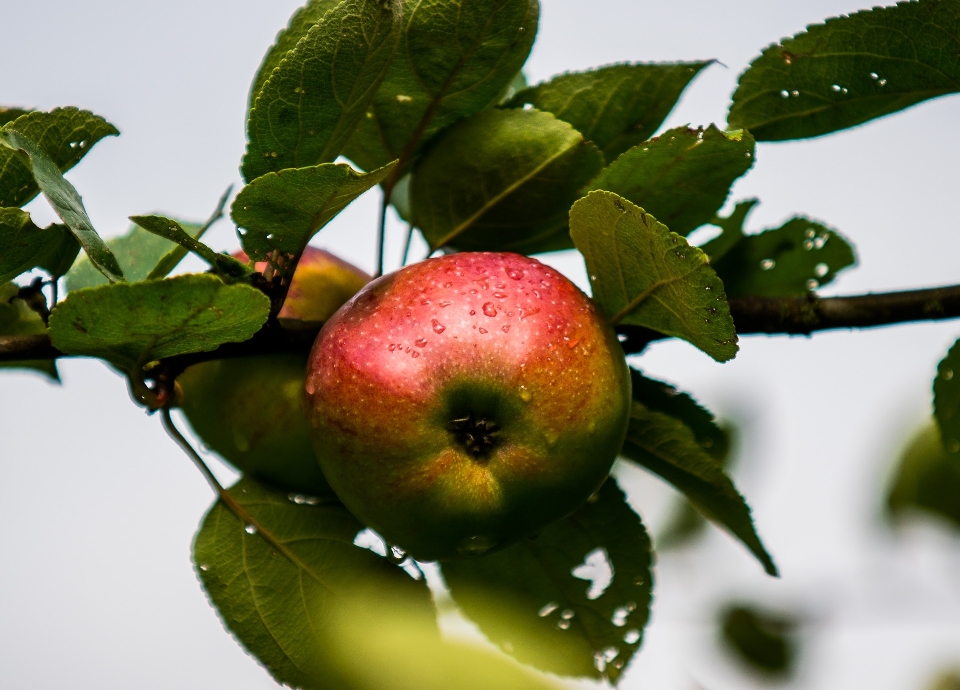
{"points": [[752, 315]]}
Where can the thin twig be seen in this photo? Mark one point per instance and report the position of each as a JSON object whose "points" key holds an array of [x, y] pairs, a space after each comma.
{"points": [[406, 245], [222, 493], [382, 229]]}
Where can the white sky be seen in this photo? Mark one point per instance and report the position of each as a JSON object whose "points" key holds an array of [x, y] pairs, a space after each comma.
{"points": [[99, 507]]}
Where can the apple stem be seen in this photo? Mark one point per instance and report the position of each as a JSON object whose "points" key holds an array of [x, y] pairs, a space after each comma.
{"points": [[406, 246]]}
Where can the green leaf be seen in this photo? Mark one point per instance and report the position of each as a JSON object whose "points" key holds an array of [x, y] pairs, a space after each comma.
{"points": [[790, 261], [282, 211], [177, 253], [16, 318], [927, 479], [667, 447], [24, 246], [137, 252], [300, 23], [662, 397], [644, 275], [616, 107], [169, 229], [314, 99], [282, 604], [531, 598], [502, 180], [455, 58], [64, 199], [946, 400], [64, 134], [761, 638], [11, 114], [849, 70], [130, 324], [683, 176]]}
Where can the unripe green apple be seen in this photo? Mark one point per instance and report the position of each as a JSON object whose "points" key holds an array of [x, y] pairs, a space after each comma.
{"points": [[466, 401], [248, 409]]}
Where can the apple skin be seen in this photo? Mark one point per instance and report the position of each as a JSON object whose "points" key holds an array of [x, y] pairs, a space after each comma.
{"points": [[248, 409], [465, 402]]}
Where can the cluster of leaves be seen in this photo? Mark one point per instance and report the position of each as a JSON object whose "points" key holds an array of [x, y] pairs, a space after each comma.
{"points": [[428, 99]]}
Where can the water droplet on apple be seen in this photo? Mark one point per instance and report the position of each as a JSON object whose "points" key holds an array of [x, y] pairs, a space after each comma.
{"points": [[310, 387], [444, 304], [250, 529], [420, 342], [631, 636], [483, 330], [473, 312], [476, 545], [446, 285], [548, 609], [489, 309], [437, 326], [392, 347], [515, 273], [499, 295]]}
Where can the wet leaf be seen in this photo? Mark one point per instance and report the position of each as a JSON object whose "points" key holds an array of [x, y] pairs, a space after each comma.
{"points": [[138, 253], [549, 602], [226, 266], [455, 58], [946, 400], [300, 23], [16, 318], [24, 246], [790, 261], [927, 479], [667, 447], [683, 176], [314, 99], [64, 134], [643, 274], [502, 180], [64, 199], [131, 324], [283, 601], [616, 107], [849, 70], [282, 211]]}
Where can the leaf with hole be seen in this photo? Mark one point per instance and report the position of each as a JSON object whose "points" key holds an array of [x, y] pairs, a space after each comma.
{"points": [[683, 176], [314, 99], [138, 253], [64, 134], [64, 199], [574, 600], [790, 261], [849, 70], [616, 107], [456, 57], [131, 324], [502, 180], [24, 246], [16, 318], [281, 594], [667, 447], [644, 275], [167, 228], [281, 212]]}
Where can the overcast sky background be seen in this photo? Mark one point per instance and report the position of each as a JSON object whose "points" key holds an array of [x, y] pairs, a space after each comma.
{"points": [[99, 507]]}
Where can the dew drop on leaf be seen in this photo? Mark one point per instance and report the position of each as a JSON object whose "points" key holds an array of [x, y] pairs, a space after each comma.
{"points": [[632, 636], [548, 609]]}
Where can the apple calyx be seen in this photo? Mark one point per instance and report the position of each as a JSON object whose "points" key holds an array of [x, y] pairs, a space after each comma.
{"points": [[478, 436]]}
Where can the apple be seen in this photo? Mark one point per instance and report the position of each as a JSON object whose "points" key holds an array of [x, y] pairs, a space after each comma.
{"points": [[248, 409], [466, 401]]}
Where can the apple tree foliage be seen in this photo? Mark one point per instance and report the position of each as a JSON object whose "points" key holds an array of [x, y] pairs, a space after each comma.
{"points": [[427, 100]]}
